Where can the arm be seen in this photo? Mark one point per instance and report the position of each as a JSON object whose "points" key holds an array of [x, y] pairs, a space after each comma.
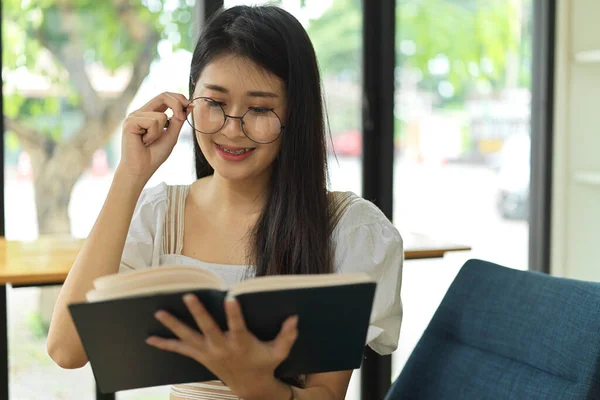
{"points": [[100, 255], [145, 146]]}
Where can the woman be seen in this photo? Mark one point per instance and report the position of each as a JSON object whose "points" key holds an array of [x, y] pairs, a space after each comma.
{"points": [[259, 207]]}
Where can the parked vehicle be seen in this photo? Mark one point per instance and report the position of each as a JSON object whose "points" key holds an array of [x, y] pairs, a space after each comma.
{"points": [[347, 143]]}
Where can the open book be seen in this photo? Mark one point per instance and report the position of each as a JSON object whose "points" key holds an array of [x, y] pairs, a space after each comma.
{"points": [[333, 309]]}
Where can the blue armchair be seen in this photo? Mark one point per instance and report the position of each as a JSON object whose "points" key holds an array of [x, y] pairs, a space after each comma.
{"points": [[506, 334]]}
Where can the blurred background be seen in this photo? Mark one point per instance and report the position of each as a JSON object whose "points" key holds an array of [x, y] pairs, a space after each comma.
{"points": [[73, 70]]}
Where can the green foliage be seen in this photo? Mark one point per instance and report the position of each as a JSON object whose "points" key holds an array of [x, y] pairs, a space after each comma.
{"points": [[11, 141], [37, 326], [102, 36], [337, 38], [474, 38]]}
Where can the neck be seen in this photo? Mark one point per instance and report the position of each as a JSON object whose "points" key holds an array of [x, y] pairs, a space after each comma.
{"points": [[245, 197]]}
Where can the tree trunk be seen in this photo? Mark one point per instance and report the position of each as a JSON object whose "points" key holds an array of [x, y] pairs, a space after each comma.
{"points": [[58, 166], [53, 184], [54, 179]]}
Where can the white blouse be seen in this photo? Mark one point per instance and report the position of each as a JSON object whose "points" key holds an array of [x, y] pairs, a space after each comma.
{"points": [[364, 240]]}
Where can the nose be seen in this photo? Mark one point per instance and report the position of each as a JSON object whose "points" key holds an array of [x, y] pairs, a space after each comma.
{"points": [[233, 127]]}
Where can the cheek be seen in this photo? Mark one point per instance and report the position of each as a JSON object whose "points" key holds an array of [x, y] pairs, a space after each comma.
{"points": [[270, 153], [205, 143]]}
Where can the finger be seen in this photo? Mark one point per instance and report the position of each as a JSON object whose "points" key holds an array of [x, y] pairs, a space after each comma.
{"points": [[286, 338], [174, 346], [173, 127], [168, 100], [146, 128], [235, 319], [184, 100], [150, 134], [204, 320], [160, 117], [181, 330]]}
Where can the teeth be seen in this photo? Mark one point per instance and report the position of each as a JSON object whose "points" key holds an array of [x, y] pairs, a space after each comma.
{"points": [[236, 152]]}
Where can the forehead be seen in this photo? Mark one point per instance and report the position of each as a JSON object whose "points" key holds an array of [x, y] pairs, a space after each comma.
{"points": [[239, 74]]}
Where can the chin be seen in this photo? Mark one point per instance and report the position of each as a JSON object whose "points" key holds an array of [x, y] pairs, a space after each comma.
{"points": [[239, 172]]}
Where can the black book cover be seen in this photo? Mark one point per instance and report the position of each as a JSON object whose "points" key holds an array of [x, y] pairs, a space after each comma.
{"points": [[333, 323]]}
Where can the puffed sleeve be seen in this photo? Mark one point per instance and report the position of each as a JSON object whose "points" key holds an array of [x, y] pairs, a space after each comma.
{"points": [[366, 241], [144, 238]]}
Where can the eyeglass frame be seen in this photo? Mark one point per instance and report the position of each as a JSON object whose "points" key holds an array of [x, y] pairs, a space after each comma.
{"points": [[241, 118]]}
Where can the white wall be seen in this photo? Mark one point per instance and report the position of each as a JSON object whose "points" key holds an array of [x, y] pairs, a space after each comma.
{"points": [[576, 169]]}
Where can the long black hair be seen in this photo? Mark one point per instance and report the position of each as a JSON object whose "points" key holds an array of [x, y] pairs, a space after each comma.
{"points": [[292, 236]]}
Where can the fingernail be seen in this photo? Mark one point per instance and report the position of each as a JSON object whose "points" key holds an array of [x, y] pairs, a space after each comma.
{"points": [[158, 314], [294, 322]]}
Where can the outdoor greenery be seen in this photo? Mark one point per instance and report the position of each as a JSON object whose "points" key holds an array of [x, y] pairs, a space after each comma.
{"points": [[451, 46], [62, 119]]}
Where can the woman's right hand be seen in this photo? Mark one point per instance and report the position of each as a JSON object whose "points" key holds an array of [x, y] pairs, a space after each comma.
{"points": [[145, 143]]}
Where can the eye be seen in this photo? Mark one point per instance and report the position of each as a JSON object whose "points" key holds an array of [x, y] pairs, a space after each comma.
{"points": [[260, 110], [213, 103]]}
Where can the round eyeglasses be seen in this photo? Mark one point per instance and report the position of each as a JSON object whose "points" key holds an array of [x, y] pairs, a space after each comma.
{"points": [[260, 124]]}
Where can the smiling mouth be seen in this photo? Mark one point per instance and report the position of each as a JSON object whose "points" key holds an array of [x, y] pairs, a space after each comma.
{"points": [[234, 152]]}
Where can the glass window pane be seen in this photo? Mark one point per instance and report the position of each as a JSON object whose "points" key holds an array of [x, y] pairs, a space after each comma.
{"points": [[67, 90], [462, 108], [340, 64]]}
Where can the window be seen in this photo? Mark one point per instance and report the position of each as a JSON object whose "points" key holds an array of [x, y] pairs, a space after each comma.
{"points": [[67, 89], [462, 107]]}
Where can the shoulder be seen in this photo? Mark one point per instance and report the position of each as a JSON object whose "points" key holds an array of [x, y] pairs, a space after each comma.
{"points": [[359, 213], [154, 194], [158, 195], [141, 246], [365, 238], [366, 241], [151, 204]]}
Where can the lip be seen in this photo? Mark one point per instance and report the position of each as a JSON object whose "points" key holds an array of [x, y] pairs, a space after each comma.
{"points": [[233, 157]]}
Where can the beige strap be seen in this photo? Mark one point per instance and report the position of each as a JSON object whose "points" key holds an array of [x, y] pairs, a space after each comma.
{"points": [[174, 221]]}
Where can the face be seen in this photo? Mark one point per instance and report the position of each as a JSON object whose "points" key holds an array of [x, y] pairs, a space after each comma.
{"points": [[239, 87]]}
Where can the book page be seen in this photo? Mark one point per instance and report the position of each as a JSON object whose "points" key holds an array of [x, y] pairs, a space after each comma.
{"points": [[271, 283], [164, 279], [108, 294]]}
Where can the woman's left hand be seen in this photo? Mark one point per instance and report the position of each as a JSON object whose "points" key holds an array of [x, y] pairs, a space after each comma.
{"points": [[239, 359]]}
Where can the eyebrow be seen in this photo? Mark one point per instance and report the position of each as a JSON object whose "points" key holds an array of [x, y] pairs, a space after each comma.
{"points": [[250, 93]]}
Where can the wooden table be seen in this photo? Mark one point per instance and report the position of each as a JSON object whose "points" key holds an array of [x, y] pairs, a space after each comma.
{"points": [[47, 261], [42, 262], [419, 245]]}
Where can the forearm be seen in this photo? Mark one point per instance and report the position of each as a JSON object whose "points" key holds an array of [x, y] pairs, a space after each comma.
{"points": [[99, 256]]}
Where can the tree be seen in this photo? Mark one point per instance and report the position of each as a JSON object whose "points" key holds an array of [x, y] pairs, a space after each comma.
{"points": [[458, 41], [59, 41], [337, 38], [452, 40]]}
